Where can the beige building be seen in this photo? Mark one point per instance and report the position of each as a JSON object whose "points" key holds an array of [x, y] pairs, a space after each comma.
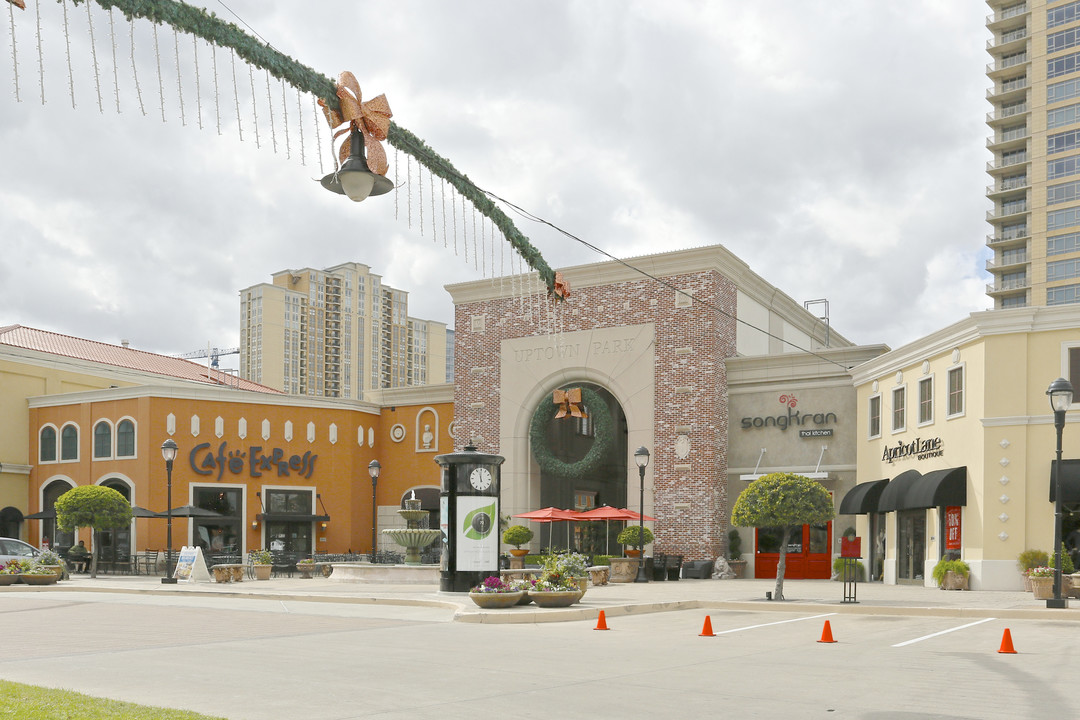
{"points": [[956, 440], [1035, 140], [337, 332]]}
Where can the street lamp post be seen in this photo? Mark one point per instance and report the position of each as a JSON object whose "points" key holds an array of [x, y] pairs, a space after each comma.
{"points": [[374, 468], [168, 451], [641, 457], [1061, 394]]}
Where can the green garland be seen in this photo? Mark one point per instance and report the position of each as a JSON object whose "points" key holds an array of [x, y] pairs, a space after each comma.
{"points": [[209, 27], [603, 437]]}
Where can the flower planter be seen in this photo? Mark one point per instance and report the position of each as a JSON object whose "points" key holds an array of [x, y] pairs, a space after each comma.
{"points": [[49, 579], [306, 570], [262, 572], [526, 598], [633, 553], [57, 570], [954, 581], [555, 598], [496, 601], [8, 579], [623, 570], [738, 567], [1042, 587], [519, 552]]}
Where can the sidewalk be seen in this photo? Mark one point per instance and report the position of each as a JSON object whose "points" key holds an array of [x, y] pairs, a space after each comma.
{"points": [[614, 599]]}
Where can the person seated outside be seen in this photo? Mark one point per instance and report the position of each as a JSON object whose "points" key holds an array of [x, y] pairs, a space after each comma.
{"points": [[79, 557]]}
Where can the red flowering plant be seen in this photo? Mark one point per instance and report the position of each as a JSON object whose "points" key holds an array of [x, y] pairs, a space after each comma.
{"points": [[493, 584]]}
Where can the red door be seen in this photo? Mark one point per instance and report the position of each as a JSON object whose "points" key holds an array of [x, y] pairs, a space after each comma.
{"points": [[808, 556]]}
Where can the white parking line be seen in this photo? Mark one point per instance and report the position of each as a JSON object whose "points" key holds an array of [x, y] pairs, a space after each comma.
{"points": [[943, 632], [780, 622]]}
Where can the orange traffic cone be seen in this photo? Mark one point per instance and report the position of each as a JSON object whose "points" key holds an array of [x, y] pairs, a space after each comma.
{"points": [[706, 629], [1006, 643], [826, 634], [601, 622]]}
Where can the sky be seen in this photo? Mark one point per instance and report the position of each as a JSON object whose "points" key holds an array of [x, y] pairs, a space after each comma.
{"points": [[837, 148]]}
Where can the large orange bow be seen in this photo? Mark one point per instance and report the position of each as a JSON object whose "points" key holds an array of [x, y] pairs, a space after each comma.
{"points": [[18, 3], [371, 118], [569, 402], [561, 287]]}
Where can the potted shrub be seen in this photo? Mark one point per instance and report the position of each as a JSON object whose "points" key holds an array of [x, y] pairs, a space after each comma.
{"points": [[517, 535], [1028, 560], [631, 535], [951, 574], [262, 561], [734, 553], [306, 568], [838, 570], [495, 593], [1067, 569]]}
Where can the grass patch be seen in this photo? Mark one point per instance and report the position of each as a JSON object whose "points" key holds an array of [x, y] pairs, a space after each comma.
{"points": [[29, 702]]}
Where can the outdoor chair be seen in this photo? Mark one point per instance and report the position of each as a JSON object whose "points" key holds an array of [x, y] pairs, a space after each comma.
{"points": [[699, 569]]}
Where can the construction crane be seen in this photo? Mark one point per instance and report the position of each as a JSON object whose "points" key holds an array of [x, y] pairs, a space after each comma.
{"points": [[212, 353]]}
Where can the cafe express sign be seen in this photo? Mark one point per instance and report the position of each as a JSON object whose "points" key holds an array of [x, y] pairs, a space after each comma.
{"points": [[205, 461]]}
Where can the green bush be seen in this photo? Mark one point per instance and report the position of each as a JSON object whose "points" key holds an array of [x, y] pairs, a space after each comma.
{"points": [[601, 559], [517, 535], [838, 569], [631, 535], [1067, 566], [944, 565], [1031, 559]]}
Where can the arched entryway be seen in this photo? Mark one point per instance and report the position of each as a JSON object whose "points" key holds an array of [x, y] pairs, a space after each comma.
{"points": [[114, 549], [57, 538], [10, 520], [581, 463]]}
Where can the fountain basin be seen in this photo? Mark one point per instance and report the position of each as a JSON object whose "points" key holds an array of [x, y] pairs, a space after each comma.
{"points": [[385, 574], [413, 540]]}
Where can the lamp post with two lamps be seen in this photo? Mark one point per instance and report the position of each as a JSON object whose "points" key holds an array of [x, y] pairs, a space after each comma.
{"points": [[168, 451], [374, 468], [641, 457], [1061, 396]]}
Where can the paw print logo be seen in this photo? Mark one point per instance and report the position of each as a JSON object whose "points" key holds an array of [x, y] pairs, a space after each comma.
{"points": [[236, 461]]}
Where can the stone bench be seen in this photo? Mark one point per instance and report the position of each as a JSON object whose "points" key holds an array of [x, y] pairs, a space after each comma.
{"points": [[599, 574], [228, 573]]}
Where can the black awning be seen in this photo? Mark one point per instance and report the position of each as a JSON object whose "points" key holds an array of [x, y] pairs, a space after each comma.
{"points": [[893, 496], [863, 498], [43, 515], [1070, 481], [938, 488], [291, 517]]}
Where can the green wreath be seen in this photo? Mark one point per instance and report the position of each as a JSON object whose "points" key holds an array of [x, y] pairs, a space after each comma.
{"points": [[603, 437]]}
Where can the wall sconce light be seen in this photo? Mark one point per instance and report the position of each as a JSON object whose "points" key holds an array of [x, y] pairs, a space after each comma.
{"points": [[323, 526], [254, 524]]}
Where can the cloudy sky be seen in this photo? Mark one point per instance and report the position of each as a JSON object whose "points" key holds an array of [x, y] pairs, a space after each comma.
{"points": [[837, 148]]}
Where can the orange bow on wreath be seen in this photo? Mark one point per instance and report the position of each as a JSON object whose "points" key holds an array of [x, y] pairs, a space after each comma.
{"points": [[18, 3], [561, 287], [371, 118], [570, 402]]}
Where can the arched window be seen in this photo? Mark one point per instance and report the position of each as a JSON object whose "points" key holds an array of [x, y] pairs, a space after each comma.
{"points": [[69, 443], [47, 444], [125, 439], [102, 440]]}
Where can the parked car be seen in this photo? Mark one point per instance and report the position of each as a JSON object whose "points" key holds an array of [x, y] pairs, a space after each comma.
{"points": [[10, 548]]}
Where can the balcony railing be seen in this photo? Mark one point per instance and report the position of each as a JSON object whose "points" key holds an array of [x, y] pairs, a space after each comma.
{"points": [[1009, 12], [1007, 62], [1006, 112], [1008, 286], [991, 266]]}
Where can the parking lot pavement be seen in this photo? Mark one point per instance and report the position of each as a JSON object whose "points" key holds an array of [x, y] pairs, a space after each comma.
{"points": [[271, 655]]}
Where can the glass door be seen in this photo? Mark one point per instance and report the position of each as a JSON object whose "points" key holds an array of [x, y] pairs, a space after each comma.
{"points": [[910, 546], [807, 556]]}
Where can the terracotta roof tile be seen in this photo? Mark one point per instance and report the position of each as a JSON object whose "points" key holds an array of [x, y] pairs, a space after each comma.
{"points": [[118, 356]]}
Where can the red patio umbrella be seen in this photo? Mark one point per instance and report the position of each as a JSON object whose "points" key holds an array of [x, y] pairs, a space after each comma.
{"points": [[631, 515], [551, 514]]}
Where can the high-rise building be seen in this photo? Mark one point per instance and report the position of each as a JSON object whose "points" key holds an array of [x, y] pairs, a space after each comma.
{"points": [[1035, 139], [336, 333]]}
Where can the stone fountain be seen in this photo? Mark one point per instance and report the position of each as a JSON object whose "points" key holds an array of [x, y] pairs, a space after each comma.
{"points": [[413, 537]]}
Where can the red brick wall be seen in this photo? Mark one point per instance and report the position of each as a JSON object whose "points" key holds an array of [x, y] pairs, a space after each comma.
{"points": [[696, 529]]}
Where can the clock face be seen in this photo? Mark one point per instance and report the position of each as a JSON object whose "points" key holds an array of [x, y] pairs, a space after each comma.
{"points": [[480, 478]]}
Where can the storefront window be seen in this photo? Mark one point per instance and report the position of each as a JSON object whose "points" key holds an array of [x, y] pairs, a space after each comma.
{"points": [[221, 533], [292, 536]]}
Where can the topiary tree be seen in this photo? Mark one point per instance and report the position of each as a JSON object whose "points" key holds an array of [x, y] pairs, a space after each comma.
{"points": [[631, 535], [783, 500], [93, 506], [517, 535]]}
